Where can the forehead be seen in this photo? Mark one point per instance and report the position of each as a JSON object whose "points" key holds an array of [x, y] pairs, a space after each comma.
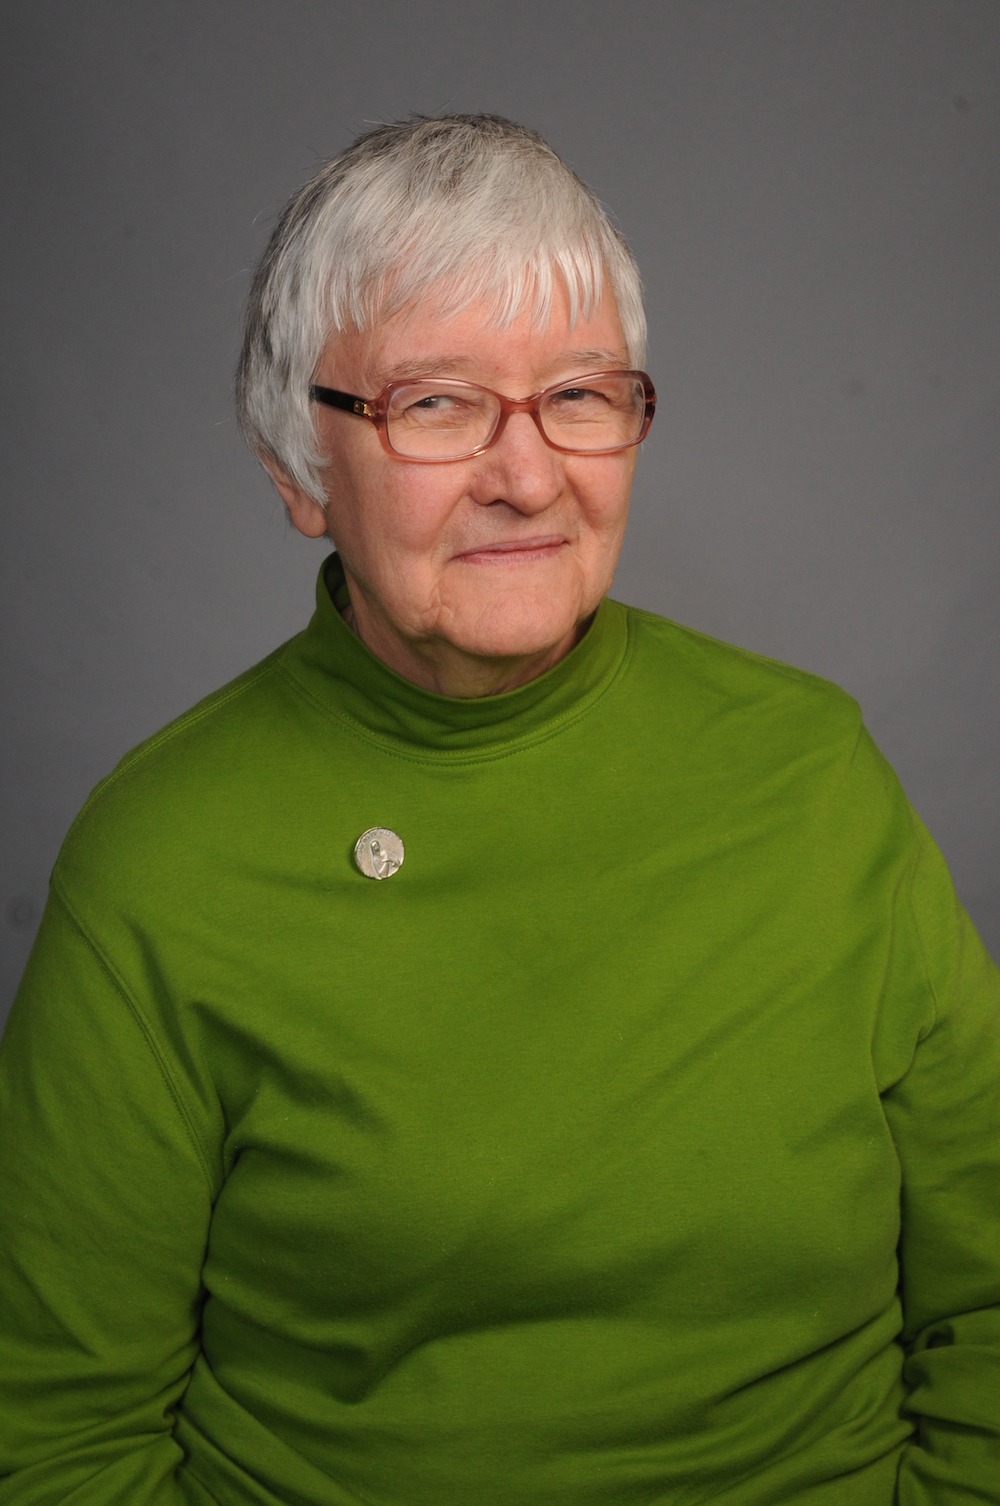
{"points": [[424, 340]]}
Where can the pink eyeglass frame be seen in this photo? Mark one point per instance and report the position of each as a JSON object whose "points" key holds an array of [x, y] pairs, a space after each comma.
{"points": [[376, 410]]}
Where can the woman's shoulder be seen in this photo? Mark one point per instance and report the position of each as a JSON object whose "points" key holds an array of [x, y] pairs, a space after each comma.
{"points": [[202, 771], [686, 667]]}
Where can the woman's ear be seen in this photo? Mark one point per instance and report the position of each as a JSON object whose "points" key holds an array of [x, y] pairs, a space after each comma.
{"points": [[307, 515]]}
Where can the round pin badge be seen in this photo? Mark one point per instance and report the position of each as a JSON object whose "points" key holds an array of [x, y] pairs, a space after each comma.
{"points": [[379, 852]]}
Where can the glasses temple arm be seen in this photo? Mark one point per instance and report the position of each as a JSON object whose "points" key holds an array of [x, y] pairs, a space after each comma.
{"points": [[345, 400]]}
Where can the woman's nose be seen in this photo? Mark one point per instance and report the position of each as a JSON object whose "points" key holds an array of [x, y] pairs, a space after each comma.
{"points": [[519, 468]]}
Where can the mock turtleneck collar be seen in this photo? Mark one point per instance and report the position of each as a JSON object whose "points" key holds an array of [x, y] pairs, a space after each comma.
{"points": [[335, 668]]}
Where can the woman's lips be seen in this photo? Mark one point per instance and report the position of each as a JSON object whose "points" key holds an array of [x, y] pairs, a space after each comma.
{"points": [[510, 551]]}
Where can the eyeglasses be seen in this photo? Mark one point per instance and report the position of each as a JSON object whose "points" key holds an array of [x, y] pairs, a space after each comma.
{"points": [[438, 420]]}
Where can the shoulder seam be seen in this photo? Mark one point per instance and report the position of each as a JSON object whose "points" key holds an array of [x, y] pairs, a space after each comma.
{"points": [[920, 840], [177, 728], [121, 988], [780, 666]]}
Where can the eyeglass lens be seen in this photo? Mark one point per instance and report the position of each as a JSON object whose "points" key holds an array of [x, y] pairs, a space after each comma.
{"points": [[441, 420]]}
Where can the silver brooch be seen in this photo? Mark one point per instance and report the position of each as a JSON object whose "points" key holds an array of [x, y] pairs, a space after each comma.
{"points": [[379, 852]]}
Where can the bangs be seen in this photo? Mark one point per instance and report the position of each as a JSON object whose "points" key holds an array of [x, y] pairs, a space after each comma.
{"points": [[506, 285]]}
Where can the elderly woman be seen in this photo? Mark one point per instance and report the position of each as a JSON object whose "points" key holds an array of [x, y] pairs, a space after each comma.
{"points": [[505, 1049]]}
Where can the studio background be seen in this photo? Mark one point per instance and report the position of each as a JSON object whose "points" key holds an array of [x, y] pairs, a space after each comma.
{"points": [[812, 188]]}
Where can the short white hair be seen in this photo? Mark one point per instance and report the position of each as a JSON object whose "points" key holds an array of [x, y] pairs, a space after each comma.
{"points": [[475, 207]]}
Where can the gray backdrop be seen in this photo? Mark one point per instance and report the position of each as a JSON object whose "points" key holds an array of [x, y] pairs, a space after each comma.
{"points": [[812, 190]]}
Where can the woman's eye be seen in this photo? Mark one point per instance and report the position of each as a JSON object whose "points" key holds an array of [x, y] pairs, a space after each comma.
{"points": [[435, 408], [432, 402], [578, 397]]}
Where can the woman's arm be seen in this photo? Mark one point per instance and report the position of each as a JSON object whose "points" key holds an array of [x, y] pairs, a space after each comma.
{"points": [[105, 1202]]}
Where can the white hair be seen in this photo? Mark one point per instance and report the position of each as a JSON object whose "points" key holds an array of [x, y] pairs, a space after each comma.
{"points": [[472, 206]]}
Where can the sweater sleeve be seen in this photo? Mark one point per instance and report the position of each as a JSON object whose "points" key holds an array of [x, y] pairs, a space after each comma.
{"points": [[106, 1203], [944, 1114]]}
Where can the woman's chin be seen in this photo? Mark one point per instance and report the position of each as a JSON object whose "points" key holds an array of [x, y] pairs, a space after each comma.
{"points": [[536, 630]]}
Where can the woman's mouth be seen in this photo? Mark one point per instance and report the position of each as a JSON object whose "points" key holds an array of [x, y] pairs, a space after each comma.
{"points": [[513, 551]]}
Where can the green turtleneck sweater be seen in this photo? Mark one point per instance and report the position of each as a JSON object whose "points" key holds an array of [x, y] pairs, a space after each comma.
{"points": [[569, 1165]]}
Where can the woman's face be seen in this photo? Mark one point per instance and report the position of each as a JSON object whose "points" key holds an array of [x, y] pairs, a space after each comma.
{"points": [[471, 576]]}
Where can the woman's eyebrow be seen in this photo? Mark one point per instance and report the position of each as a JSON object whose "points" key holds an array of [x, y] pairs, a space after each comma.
{"points": [[464, 368]]}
